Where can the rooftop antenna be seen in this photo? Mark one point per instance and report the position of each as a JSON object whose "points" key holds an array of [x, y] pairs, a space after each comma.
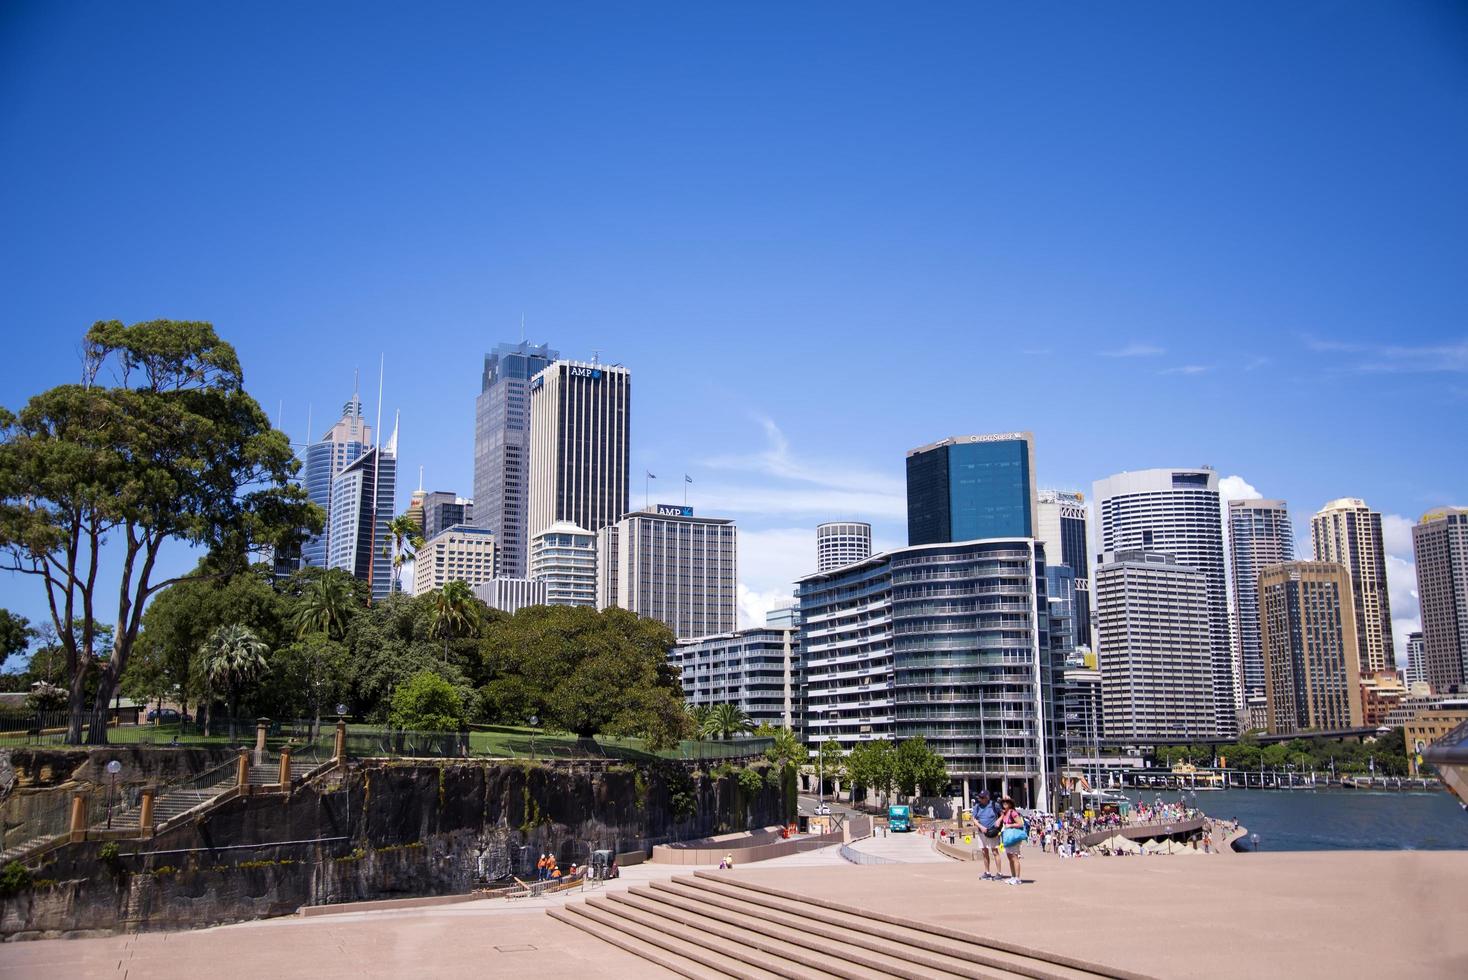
{"points": [[376, 486], [522, 328], [308, 424], [420, 477], [595, 355]]}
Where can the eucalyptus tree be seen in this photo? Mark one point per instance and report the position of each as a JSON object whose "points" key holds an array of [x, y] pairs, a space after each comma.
{"points": [[96, 479]]}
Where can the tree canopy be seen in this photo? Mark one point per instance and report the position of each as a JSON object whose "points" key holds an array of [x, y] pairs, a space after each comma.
{"points": [[175, 451]]}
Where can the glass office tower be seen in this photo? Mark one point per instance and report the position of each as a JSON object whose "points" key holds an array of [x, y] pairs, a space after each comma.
{"points": [[968, 488]]}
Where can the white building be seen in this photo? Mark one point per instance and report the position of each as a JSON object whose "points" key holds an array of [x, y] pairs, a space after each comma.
{"points": [[757, 670], [841, 543], [511, 594], [1178, 512], [579, 423], [563, 556], [1153, 648], [460, 553], [1061, 526], [363, 496], [666, 564]]}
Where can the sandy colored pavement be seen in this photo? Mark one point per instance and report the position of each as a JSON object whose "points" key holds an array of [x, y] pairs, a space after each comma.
{"points": [[1302, 914]]}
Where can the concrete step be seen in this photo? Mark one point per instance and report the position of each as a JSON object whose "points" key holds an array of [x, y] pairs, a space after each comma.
{"points": [[684, 945], [23, 848], [773, 956], [889, 954], [992, 954], [828, 958], [671, 954]]}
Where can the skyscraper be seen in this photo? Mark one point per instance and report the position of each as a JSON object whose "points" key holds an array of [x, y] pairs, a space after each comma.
{"points": [[841, 543], [1060, 524], [1348, 532], [1154, 648], [363, 497], [1177, 512], [579, 425], [1416, 672], [666, 564], [344, 442], [1259, 535], [965, 488], [1311, 679], [757, 670], [502, 448], [443, 509], [1440, 544]]}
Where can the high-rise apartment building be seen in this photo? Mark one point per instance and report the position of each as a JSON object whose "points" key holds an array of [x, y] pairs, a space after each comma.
{"points": [[461, 553], [1154, 648], [1259, 535], [1348, 533], [511, 594], [443, 510], [563, 556], [1060, 524], [343, 443], [948, 642], [363, 497], [502, 449], [1312, 679], [757, 670], [579, 424], [666, 564], [966, 488], [1440, 544], [1416, 670], [841, 543], [1178, 512]]}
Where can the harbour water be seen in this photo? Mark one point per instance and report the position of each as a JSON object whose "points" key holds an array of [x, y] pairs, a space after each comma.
{"points": [[1335, 819]]}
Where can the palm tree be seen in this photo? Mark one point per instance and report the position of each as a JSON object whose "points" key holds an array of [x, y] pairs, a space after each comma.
{"points": [[454, 613], [233, 656], [699, 715], [725, 721], [404, 531], [326, 606]]}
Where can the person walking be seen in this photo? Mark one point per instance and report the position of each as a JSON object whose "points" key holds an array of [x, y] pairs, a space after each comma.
{"points": [[986, 817], [1012, 836]]}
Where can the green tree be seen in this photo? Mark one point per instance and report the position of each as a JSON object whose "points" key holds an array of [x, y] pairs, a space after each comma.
{"points": [[725, 721], [872, 766], [15, 634], [455, 613], [427, 703], [831, 760], [326, 605], [176, 452], [404, 531], [233, 657], [305, 678], [698, 715], [588, 672], [916, 767]]}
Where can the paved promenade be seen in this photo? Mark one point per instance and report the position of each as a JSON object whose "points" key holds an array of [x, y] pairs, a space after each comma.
{"points": [[1270, 914]]}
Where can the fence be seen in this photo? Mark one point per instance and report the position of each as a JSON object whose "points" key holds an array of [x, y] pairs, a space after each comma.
{"points": [[489, 743]]}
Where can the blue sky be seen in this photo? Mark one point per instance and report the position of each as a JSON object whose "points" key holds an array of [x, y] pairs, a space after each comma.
{"points": [[819, 235]]}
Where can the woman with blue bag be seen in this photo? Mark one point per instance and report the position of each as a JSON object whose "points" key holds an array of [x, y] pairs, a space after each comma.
{"points": [[1012, 835]]}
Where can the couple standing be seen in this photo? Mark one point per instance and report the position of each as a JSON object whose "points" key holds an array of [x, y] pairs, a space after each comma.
{"points": [[1001, 828]]}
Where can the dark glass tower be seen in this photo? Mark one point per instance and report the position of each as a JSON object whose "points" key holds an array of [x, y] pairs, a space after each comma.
{"points": [[969, 488], [502, 449]]}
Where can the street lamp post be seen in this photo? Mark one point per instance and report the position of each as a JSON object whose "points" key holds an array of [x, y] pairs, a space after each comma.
{"points": [[113, 768]]}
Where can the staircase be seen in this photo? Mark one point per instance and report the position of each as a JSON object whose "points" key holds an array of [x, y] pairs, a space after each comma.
{"points": [[706, 925], [24, 849], [175, 801]]}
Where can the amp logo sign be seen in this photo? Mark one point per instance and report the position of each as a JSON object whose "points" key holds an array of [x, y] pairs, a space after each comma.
{"points": [[586, 372]]}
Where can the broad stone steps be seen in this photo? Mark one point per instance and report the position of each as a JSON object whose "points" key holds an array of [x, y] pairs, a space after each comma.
{"points": [[890, 954], [992, 953], [682, 958], [823, 957]]}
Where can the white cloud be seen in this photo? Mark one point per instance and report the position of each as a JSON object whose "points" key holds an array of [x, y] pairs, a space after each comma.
{"points": [[1401, 580], [754, 605], [1134, 350], [1449, 356], [818, 504], [1186, 369], [1237, 488], [769, 563], [1396, 536]]}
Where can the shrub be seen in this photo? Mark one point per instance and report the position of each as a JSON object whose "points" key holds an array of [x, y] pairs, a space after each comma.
{"points": [[14, 877]]}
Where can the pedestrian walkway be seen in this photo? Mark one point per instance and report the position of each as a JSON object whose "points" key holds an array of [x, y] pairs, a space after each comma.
{"points": [[909, 848]]}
